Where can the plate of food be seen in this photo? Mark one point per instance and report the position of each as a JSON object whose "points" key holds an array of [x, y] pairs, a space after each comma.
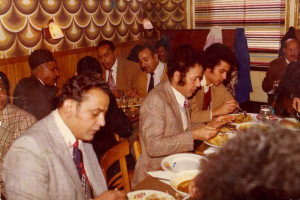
{"points": [[181, 180], [149, 195], [220, 139], [228, 128], [181, 162], [247, 125], [241, 118], [290, 123]]}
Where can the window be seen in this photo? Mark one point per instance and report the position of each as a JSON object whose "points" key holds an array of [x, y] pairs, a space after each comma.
{"points": [[263, 21]]}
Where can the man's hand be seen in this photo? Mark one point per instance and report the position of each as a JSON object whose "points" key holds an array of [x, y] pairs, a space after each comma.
{"points": [[220, 121], [296, 104], [111, 195], [227, 108], [204, 132]]}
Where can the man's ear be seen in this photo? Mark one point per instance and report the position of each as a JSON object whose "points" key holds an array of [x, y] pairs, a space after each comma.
{"points": [[69, 105], [115, 52], [156, 56]]}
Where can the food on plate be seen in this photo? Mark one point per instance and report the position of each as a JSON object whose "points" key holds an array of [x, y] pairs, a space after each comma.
{"points": [[219, 140], [184, 186], [227, 128], [244, 126], [241, 118], [290, 124]]}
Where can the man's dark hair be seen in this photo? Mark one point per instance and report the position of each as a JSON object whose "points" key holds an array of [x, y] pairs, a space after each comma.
{"points": [[183, 63], [162, 43], [89, 64], [218, 52], [5, 80], [256, 164], [39, 57], [147, 46], [76, 86], [107, 42]]}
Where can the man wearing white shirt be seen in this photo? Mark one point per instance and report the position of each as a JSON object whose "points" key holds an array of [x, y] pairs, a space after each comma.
{"points": [[119, 73], [154, 71], [54, 158], [213, 99], [165, 124]]}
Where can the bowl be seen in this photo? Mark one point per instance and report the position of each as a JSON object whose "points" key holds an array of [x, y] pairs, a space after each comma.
{"points": [[182, 177]]}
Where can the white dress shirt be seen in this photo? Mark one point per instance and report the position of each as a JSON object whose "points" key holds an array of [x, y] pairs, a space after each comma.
{"points": [[114, 72], [68, 136], [158, 73], [180, 100]]}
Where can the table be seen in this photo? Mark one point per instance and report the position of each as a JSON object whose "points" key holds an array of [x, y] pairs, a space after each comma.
{"points": [[150, 183]]}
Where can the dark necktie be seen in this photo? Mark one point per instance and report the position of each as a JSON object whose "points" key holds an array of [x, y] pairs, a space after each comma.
{"points": [[186, 103], [151, 83], [78, 160], [206, 100]]}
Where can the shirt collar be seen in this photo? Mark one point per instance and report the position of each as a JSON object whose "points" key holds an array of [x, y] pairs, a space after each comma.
{"points": [[64, 130], [179, 97], [115, 65], [204, 84], [40, 81], [287, 61]]}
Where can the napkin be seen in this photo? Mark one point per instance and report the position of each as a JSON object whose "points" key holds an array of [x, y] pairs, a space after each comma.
{"points": [[163, 176], [210, 150]]}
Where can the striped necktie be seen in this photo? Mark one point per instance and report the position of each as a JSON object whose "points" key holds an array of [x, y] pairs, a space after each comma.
{"points": [[78, 160], [111, 81]]}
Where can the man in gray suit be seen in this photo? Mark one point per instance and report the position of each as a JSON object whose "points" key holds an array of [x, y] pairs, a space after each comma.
{"points": [[165, 123], [39, 165]]}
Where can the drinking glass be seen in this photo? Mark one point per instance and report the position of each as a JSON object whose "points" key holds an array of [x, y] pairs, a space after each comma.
{"points": [[265, 112]]}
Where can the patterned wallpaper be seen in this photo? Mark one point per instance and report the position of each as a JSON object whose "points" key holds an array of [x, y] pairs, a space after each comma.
{"points": [[84, 23], [166, 14]]}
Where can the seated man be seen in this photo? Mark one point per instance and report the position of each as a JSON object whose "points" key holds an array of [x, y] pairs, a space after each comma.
{"points": [[162, 47], [212, 99], [288, 88], [13, 120], [165, 125], [36, 94], [257, 164], [116, 120], [54, 158], [277, 67], [154, 71], [119, 73]]}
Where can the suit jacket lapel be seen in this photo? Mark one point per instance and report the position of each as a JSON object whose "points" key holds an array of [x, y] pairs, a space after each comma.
{"points": [[63, 153], [120, 74], [171, 100]]}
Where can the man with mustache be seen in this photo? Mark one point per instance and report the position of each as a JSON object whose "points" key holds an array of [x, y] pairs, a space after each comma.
{"points": [[154, 71], [213, 99], [36, 94], [165, 124], [278, 66], [119, 73]]}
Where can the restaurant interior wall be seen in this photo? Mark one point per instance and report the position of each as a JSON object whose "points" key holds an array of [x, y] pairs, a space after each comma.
{"points": [[84, 23]]}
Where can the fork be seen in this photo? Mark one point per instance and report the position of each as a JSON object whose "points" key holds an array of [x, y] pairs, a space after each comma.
{"points": [[243, 111]]}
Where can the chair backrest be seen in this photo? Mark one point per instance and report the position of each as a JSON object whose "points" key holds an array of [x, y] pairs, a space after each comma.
{"points": [[137, 148], [117, 153]]}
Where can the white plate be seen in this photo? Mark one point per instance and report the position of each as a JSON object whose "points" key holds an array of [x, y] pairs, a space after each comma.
{"points": [[230, 135], [143, 194], [253, 116], [181, 177], [181, 162]]}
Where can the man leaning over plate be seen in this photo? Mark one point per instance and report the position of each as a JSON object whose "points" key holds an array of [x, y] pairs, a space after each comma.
{"points": [[165, 120]]}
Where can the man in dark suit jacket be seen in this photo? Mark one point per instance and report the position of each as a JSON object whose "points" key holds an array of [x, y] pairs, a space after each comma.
{"points": [[278, 66], [36, 94], [116, 120]]}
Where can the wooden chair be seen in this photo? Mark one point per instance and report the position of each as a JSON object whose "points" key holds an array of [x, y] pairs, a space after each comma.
{"points": [[137, 148], [117, 153]]}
